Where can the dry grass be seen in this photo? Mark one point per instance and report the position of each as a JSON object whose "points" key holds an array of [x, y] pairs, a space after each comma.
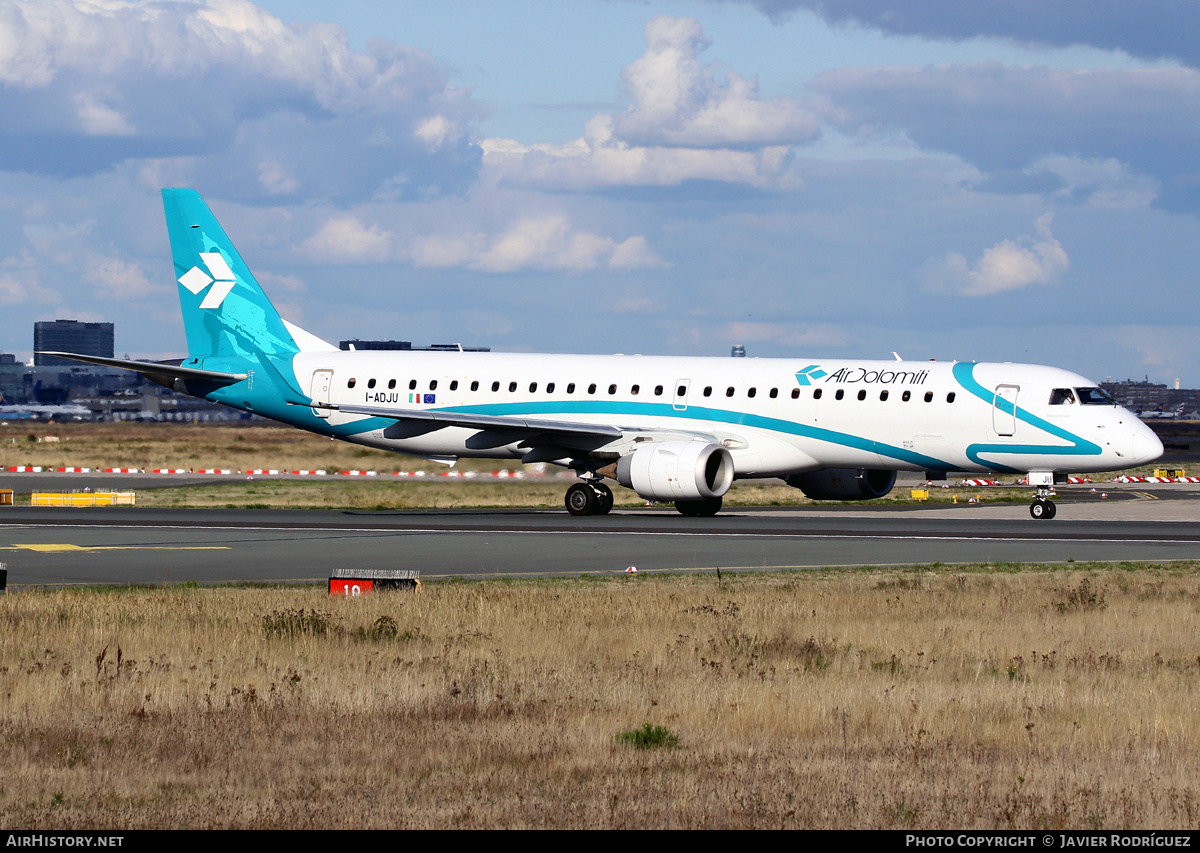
{"points": [[170, 445], [932, 698]]}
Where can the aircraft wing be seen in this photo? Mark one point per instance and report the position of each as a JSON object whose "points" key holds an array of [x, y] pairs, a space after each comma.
{"points": [[473, 421]]}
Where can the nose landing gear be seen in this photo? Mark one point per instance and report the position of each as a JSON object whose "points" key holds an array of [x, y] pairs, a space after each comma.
{"points": [[1042, 507]]}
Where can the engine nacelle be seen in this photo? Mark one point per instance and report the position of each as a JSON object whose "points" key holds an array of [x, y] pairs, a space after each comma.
{"points": [[677, 471], [844, 484]]}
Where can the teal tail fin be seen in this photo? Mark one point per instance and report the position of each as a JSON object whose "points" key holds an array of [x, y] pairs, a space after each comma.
{"points": [[225, 311]]}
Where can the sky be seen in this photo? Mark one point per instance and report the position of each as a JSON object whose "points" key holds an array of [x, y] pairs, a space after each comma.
{"points": [[1010, 181]]}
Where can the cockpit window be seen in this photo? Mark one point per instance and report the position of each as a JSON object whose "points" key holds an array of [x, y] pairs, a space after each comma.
{"points": [[1094, 397], [1059, 396]]}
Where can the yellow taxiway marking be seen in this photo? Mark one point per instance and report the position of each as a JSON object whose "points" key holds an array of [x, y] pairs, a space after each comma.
{"points": [[65, 547]]}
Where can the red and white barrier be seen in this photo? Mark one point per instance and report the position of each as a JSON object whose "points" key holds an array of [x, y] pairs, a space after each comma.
{"points": [[170, 471], [360, 473], [121, 471], [215, 471], [25, 469], [981, 482], [307, 473]]}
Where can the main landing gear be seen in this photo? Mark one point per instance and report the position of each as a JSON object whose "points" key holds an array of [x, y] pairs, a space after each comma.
{"points": [[589, 498]]}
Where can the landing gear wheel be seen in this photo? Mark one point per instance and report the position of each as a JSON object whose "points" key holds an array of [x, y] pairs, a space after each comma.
{"points": [[702, 509], [581, 499], [1042, 509], [604, 499]]}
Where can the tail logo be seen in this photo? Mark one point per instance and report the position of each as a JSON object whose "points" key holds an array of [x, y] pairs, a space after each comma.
{"points": [[222, 279]]}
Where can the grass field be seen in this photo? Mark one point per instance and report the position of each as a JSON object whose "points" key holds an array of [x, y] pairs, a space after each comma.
{"points": [[937, 697]]}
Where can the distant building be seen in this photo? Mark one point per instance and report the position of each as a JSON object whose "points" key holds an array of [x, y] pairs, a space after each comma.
{"points": [[12, 379], [70, 336], [1147, 396], [356, 344]]}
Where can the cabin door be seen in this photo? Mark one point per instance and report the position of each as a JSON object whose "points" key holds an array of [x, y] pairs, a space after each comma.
{"points": [[319, 390], [1004, 410]]}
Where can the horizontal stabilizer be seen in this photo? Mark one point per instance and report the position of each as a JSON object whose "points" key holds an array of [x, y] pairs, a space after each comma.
{"points": [[164, 373]]}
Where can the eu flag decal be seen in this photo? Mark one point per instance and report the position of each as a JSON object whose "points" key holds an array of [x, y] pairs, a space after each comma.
{"points": [[429, 398]]}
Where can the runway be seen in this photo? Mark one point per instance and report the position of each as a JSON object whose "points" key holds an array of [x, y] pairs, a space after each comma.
{"points": [[123, 545]]}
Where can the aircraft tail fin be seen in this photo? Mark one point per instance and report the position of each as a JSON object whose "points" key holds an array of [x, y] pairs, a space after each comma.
{"points": [[225, 311]]}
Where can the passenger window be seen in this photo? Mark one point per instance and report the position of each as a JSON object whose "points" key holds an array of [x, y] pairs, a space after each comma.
{"points": [[350, 383], [391, 383], [495, 386], [370, 383], [729, 391], [774, 393], [432, 384], [512, 387], [634, 390], [571, 388], [950, 397], [840, 394], [883, 395], [532, 387], [862, 394], [658, 390], [549, 387], [454, 385], [412, 385], [681, 391], [906, 396], [475, 385], [1059, 396], [708, 391], [796, 394], [592, 388], [751, 392], [612, 389], [928, 396]]}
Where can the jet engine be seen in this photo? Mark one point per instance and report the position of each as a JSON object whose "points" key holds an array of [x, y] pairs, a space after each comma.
{"points": [[676, 471], [844, 484]]}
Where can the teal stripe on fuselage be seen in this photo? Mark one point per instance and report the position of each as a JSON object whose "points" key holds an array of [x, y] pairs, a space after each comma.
{"points": [[614, 409], [964, 373]]}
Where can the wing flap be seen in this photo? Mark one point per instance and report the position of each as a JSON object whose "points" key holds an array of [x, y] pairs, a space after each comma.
{"points": [[474, 421]]}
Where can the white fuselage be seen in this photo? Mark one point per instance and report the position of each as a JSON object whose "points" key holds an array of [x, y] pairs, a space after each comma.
{"points": [[775, 416]]}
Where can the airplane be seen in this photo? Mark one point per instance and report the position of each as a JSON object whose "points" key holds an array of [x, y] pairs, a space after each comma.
{"points": [[1160, 414], [673, 429]]}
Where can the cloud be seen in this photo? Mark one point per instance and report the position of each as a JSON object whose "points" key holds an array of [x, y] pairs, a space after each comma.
{"points": [[531, 242], [118, 279], [267, 108], [1008, 265], [750, 332], [538, 242], [1146, 28], [1003, 119], [19, 283], [677, 101], [344, 239], [683, 125]]}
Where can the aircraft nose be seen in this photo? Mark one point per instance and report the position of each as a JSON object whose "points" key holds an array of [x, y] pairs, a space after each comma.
{"points": [[1146, 446]]}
